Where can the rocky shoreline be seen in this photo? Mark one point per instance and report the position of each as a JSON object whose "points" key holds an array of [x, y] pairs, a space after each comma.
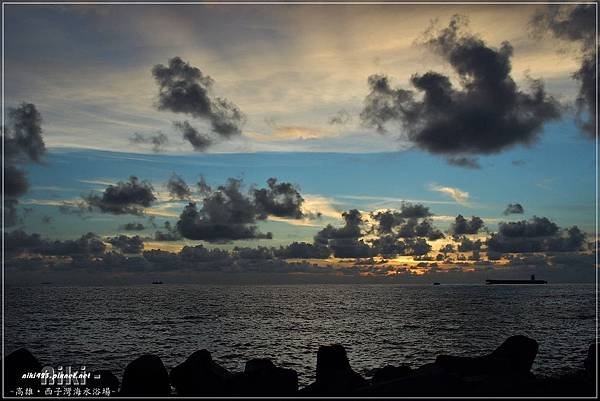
{"points": [[504, 372]]}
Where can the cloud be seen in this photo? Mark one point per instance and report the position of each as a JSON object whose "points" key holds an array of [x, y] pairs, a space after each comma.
{"points": [[200, 142], [465, 162], [468, 245], [460, 197], [22, 143], [178, 188], [133, 226], [538, 234], [344, 241], [488, 114], [405, 223], [342, 117], [185, 89], [130, 197], [279, 199], [575, 23], [19, 242], [397, 232], [127, 244], [463, 226], [170, 233], [303, 250], [158, 141], [226, 214], [513, 208]]}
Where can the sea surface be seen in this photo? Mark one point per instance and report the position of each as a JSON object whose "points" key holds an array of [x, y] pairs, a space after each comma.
{"points": [[107, 327]]}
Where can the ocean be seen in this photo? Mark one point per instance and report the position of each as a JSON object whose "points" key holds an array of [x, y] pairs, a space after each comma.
{"points": [[108, 327]]}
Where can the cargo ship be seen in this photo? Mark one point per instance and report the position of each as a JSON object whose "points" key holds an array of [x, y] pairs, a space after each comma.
{"points": [[530, 281]]}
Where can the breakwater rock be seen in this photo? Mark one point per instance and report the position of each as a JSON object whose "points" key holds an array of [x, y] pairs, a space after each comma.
{"points": [[505, 371]]}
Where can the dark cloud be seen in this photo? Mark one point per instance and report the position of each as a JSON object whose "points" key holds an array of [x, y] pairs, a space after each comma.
{"points": [[303, 250], [15, 182], [468, 245], [178, 188], [130, 197], [575, 23], [463, 226], [465, 162], [535, 235], [344, 241], [535, 227], [203, 187], [170, 233], [226, 214], [158, 141], [350, 230], [78, 208], [185, 89], [133, 226], [23, 135], [342, 117], [22, 143], [200, 142], [19, 242], [417, 246], [487, 115], [409, 222], [513, 208], [414, 210], [388, 219], [127, 244], [412, 228], [279, 199]]}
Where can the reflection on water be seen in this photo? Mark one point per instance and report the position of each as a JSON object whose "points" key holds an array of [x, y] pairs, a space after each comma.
{"points": [[107, 327]]}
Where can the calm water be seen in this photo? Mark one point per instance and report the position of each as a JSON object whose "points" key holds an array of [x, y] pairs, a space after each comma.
{"points": [[107, 327]]}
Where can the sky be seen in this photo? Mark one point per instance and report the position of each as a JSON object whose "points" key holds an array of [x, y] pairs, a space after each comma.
{"points": [[471, 110]]}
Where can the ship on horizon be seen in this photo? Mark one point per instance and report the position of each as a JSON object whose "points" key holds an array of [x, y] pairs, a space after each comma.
{"points": [[530, 281]]}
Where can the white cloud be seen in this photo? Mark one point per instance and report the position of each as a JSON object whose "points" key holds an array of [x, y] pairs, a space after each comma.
{"points": [[461, 197]]}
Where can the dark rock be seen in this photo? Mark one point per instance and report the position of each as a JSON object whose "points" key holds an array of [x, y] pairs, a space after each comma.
{"points": [[514, 357], [104, 379], [590, 360], [334, 374], [16, 364], [262, 378], [431, 382], [146, 376], [390, 372], [199, 375]]}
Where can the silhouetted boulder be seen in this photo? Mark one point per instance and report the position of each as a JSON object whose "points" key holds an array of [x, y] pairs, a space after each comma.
{"points": [[429, 380], [334, 374], [517, 354], [390, 372], [590, 361], [262, 378], [106, 379], [146, 376], [513, 357], [199, 375], [16, 364]]}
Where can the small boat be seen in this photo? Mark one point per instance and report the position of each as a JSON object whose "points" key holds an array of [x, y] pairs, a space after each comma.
{"points": [[157, 282], [436, 283], [531, 281]]}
